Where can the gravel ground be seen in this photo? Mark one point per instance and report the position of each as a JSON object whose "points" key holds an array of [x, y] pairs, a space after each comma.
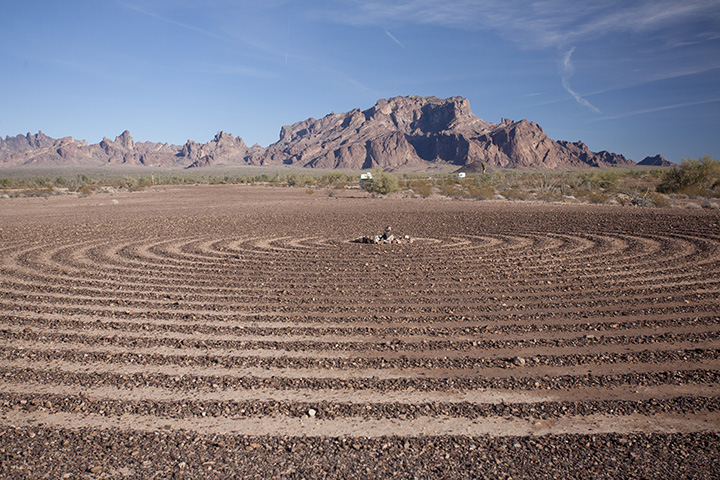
{"points": [[236, 332]]}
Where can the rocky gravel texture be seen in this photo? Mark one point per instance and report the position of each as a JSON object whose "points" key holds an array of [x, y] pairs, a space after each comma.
{"points": [[238, 332]]}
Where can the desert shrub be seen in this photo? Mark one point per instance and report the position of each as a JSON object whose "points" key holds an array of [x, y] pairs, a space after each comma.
{"points": [[607, 179], [382, 183], [481, 192], [516, 193], [421, 186], [59, 182], [134, 187], [85, 190], [310, 191], [656, 173], [693, 177], [597, 198], [591, 196], [695, 191], [83, 179], [297, 180], [638, 198], [39, 191], [543, 183], [635, 196], [550, 197], [145, 181], [335, 179], [451, 189], [657, 200], [5, 183]]}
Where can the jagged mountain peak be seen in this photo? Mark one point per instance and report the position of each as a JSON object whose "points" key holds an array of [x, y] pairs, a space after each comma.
{"points": [[397, 132], [415, 131]]}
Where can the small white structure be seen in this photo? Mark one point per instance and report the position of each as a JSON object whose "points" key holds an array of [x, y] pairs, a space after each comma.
{"points": [[461, 175], [365, 178]]}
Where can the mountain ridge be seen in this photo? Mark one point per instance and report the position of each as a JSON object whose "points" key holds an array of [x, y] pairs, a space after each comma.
{"points": [[394, 134]]}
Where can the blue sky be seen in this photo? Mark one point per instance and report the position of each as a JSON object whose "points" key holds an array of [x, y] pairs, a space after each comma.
{"points": [[633, 77]]}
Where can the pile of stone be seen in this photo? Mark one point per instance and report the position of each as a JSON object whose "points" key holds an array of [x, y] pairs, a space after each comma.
{"points": [[385, 238]]}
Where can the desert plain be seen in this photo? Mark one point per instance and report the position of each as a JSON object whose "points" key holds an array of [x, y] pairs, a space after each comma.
{"points": [[230, 331]]}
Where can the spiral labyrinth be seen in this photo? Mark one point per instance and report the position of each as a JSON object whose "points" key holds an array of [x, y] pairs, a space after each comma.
{"points": [[263, 338]]}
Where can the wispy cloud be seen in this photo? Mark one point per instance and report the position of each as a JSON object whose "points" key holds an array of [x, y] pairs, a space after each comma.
{"points": [[170, 20], [656, 109], [658, 77], [557, 25], [534, 24], [393, 38], [263, 51], [230, 39], [567, 71]]}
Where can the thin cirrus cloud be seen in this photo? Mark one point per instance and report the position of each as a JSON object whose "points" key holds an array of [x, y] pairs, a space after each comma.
{"points": [[567, 71], [533, 24], [554, 24], [657, 109], [394, 39], [169, 20], [248, 71], [231, 40], [660, 76]]}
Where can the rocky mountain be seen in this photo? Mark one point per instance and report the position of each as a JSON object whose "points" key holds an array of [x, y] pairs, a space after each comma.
{"points": [[424, 131], [69, 151], [396, 133], [125, 151], [41, 150], [23, 143], [224, 149], [656, 161], [61, 151]]}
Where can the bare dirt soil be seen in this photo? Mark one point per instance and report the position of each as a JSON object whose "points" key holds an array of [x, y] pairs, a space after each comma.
{"points": [[236, 332]]}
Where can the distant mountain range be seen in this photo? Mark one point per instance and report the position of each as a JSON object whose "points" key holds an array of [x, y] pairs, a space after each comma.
{"points": [[397, 133], [656, 161]]}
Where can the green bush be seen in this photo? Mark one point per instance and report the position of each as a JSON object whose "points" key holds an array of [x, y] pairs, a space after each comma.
{"points": [[298, 180], [382, 183], [693, 177], [607, 179], [335, 179]]}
